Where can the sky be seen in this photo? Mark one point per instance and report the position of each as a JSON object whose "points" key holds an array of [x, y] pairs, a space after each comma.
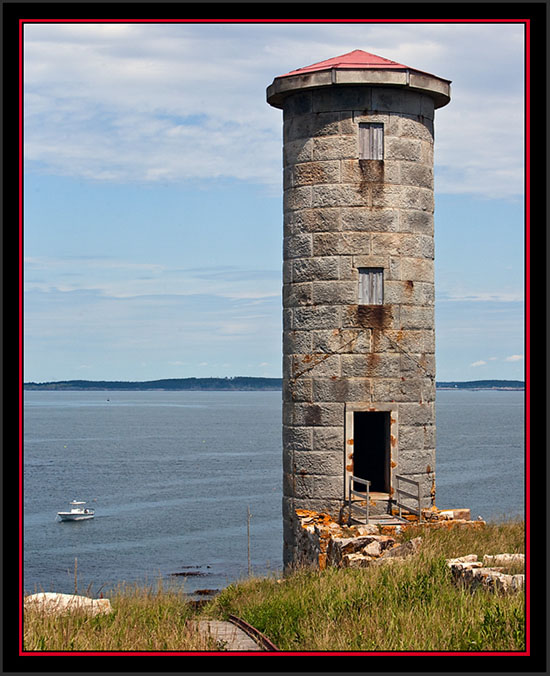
{"points": [[153, 194]]}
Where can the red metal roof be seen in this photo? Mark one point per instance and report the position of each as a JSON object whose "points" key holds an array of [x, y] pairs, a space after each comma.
{"points": [[358, 59]]}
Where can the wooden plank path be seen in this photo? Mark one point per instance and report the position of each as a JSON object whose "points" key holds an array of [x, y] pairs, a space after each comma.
{"points": [[229, 635], [236, 634]]}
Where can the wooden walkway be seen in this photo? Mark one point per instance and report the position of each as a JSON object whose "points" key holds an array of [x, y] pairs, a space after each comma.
{"points": [[229, 635]]}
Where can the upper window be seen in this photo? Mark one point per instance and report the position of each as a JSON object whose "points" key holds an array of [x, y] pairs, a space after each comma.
{"points": [[371, 286], [371, 141]]}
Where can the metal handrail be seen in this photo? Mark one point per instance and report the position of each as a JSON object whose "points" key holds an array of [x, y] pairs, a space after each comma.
{"points": [[400, 492], [362, 495]]}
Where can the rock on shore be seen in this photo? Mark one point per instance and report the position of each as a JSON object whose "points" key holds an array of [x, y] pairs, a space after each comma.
{"points": [[53, 603]]}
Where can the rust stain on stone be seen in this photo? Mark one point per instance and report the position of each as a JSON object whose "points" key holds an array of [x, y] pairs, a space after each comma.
{"points": [[432, 491], [373, 316], [393, 440], [393, 464], [350, 442], [372, 174], [372, 360], [372, 171]]}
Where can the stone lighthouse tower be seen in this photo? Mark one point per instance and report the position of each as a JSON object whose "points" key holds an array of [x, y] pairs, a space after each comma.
{"points": [[358, 295]]}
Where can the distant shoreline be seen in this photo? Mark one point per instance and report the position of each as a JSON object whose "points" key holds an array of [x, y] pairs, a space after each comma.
{"points": [[237, 384]]}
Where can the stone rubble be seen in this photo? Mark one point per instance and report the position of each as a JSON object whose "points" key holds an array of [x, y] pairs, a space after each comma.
{"points": [[504, 559], [322, 541], [473, 573]]}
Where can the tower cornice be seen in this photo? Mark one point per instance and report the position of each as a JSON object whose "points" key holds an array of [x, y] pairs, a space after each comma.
{"points": [[359, 68]]}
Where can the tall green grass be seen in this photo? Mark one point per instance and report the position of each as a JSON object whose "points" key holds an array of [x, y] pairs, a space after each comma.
{"points": [[408, 605], [143, 619]]}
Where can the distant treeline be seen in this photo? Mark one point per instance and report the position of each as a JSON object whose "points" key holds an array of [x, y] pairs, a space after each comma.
{"points": [[483, 385], [236, 383]]}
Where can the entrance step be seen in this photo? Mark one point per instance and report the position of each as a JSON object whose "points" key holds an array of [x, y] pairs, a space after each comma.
{"points": [[382, 520]]}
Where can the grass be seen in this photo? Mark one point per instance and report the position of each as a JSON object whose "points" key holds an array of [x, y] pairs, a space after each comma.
{"points": [[144, 619], [409, 605]]}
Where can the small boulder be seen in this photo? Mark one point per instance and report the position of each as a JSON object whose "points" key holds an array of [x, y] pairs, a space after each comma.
{"points": [[403, 549], [469, 558], [356, 560], [366, 529], [518, 582], [503, 559], [372, 549], [53, 603]]}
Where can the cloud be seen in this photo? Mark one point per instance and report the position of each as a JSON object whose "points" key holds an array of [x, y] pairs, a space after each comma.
{"points": [[118, 278], [511, 358], [176, 102], [481, 297], [87, 319]]}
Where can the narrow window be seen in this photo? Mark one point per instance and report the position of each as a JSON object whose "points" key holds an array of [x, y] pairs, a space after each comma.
{"points": [[371, 286], [371, 141]]}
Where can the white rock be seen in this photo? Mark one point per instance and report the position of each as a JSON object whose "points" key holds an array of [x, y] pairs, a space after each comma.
{"points": [[503, 559], [355, 560], [518, 582], [463, 559], [367, 529], [58, 604], [372, 549], [458, 567]]}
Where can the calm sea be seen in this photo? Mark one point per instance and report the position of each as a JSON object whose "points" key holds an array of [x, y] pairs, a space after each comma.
{"points": [[173, 475]]}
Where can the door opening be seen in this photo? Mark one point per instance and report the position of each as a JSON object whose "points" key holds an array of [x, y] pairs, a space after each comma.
{"points": [[371, 449]]}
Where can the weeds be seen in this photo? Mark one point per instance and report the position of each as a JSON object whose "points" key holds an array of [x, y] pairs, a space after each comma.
{"points": [[143, 618], [410, 604]]}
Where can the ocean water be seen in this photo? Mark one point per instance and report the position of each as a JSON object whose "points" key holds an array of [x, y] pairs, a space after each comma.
{"points": [[173, 477]]}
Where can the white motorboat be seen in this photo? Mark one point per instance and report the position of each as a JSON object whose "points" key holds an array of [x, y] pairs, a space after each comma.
{"points": [[77, 513]]}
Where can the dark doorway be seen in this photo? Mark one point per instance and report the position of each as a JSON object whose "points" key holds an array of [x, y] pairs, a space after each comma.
{"points": [[371, 449]]}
